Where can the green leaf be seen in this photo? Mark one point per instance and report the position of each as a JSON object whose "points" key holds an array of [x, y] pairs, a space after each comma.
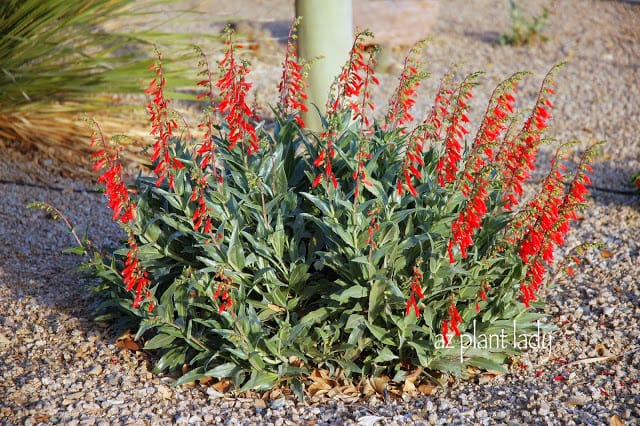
{"points": [[352, 292], [277, 238], [322, 205], [297, 387], [235, 253], [79, 250], [376, 299], [381, 334], [227, 369], [191, 376], [487, 364], [171, 360], [260, 381], [315, 317], [385, 355], [159, 341]]}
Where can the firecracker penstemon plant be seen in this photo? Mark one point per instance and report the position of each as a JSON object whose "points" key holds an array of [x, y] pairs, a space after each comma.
{"points": [[260, 255]]}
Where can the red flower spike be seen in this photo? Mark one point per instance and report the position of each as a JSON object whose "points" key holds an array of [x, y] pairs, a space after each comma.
{"points": [[222, 292], [292, 84], [416, 288], [115, 188], [448, 164], [206, 153], [518, 154], [233, 91], [353, 87], [445, 332], [162, 127], [548, 221], [404, 97], [134, 277], [469, 219]]}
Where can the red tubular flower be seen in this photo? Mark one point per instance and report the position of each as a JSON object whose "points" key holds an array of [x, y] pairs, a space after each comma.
{"points": [[412, 163], [162, 127], [222, 291], [469, 219], [134, 276], [233, 91], [549, 222], [416, 289], [445, 333], [404, 97], [292, 84], [353, 89], [454, 318], [518, 154], [448, 164], [115, 188], [206, 153], [324, 160]]}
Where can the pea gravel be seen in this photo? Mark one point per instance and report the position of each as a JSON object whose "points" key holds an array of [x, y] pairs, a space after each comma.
{"points": [[57, 366]]}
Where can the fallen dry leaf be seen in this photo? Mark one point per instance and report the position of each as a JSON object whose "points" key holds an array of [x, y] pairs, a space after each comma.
{"points": [[606, 254], [427, 389], [408, 387], [206, 381], [615, 421], [379, 383], [126, 341], [41, 418], [318, 388], [367, 389], [223, 385]]}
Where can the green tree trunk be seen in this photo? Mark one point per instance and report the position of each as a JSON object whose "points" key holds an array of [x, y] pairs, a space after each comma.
{"points": [[325, 38]]}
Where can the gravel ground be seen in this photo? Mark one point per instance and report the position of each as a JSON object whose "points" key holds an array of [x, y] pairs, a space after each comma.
{"points": [[59, 367]]}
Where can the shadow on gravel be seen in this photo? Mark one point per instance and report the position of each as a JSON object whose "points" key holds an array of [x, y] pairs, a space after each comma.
{"points": [[34, 271]]}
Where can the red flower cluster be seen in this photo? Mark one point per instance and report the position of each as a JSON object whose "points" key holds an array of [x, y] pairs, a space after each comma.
{"points": [[448, 165], [355, 80], [517, 159], [549, 222], [233, 90], [135, 277], [162, 127], [404, 97], [454, 320], [416, 291], [469, 219], [473, 183], [374, 227], [207, 151], [412, 164], [360, 175], [201, 218], [115, 188], [482, 294], [222, 291], [292, 84], [324, 160], [353, 87], [440, 110], [429, 129], [495, 123]]}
